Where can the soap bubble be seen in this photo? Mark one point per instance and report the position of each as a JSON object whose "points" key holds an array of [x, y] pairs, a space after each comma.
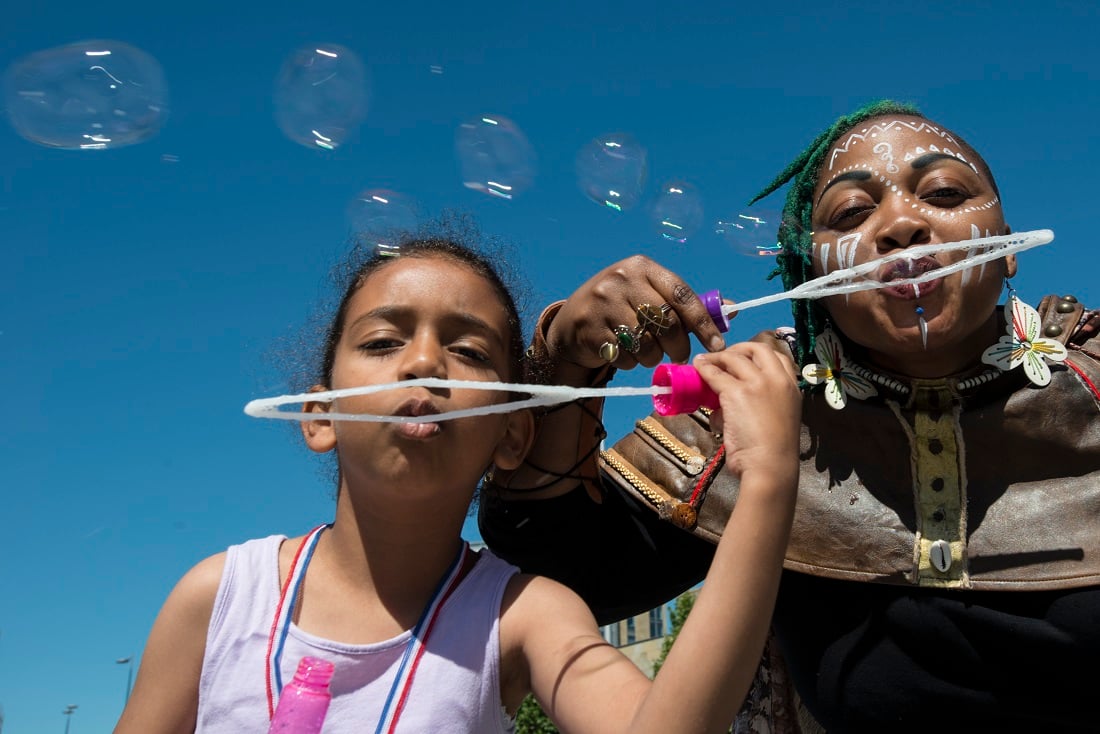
{"points": [[611, 170], [494, 156], [321, 96], [381, 216], [677, 211], [751, 232], [89, 95]]}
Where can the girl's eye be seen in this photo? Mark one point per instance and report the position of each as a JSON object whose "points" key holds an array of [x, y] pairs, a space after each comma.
{"points": [[379, 345], [471, 353]]}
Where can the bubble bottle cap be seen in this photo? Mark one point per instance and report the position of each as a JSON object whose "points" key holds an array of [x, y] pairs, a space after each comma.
{"points": [[689, 392], [713, 301]]}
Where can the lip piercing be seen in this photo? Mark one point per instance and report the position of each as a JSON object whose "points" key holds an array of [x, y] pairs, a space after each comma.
{"points": [[923, 327]]}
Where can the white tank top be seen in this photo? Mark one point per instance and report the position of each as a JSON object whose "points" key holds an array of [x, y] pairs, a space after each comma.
{"points": [[456, 687]]}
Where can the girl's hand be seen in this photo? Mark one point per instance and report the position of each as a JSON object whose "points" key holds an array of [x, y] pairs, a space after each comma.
{"points": [[761, 408]]}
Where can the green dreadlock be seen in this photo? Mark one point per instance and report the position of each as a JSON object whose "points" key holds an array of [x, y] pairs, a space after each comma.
{"points": [[794, 263]]}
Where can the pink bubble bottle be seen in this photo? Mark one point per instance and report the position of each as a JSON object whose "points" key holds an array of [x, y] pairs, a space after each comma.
{"points": [[304, 701], [689, 392]]}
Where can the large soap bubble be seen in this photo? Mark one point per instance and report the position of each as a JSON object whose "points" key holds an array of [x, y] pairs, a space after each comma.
{"points": [[677, 212], [752, 232], [611, 170], [494, 156], [321, 96], [382, 217], [89, 95]]}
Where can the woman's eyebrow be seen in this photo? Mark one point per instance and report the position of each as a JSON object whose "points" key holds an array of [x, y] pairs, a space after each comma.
{"points": [[850, 176], [930, 158]]}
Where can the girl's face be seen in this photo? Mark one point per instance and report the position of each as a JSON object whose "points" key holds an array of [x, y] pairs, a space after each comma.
{"points": [[892, 183], [418, 317]]}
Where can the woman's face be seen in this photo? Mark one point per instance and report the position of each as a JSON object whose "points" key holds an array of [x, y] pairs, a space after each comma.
{"points": [[895, 182]]}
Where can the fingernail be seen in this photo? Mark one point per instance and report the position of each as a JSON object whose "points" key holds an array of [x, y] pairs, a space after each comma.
{"points": [[716, 343]]}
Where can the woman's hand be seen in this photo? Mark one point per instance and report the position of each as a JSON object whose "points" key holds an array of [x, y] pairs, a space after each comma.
{"points": [[633, 312]]}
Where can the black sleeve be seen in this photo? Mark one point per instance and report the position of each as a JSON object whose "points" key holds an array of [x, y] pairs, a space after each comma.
{"points": [[622, 559]]}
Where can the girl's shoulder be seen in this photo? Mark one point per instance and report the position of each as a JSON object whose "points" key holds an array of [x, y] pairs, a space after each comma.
{"points": [[199, 586]]}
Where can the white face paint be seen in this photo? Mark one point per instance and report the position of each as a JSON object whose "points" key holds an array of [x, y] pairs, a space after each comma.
{"points": [[880, 127]]}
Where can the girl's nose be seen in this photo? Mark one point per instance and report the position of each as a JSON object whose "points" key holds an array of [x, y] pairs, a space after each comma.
{"points": [[424, 356]]}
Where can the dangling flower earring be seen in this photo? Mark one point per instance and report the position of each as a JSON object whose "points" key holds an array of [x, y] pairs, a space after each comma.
{"points": [[1022, 344]]}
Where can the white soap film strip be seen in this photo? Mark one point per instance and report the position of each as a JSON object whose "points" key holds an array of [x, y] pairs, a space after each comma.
{"points": [[540, 395], [838, 282], [845, 281]]}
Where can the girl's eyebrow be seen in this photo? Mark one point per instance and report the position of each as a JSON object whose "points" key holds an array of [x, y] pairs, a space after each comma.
{"points": [[393, 313], [849, 176]]}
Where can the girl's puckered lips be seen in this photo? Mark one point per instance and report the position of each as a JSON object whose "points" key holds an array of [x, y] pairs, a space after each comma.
{"points": [[418, 407]]}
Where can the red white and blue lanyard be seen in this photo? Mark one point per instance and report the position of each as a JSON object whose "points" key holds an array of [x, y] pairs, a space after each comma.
{"points": [[414, 651]]}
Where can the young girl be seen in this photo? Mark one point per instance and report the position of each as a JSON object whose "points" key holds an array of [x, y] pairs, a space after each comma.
{"points": [[425, 634]]}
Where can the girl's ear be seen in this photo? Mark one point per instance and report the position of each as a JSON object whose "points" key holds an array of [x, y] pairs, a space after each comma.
{"points": [[320, 435], [518, 436]]}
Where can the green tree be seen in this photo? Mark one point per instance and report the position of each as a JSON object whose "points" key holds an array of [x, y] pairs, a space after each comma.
{"points": [[679, 615], [531, 719]]}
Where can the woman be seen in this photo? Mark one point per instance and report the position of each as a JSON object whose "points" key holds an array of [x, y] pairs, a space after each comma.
{"points": [[943, 566]]}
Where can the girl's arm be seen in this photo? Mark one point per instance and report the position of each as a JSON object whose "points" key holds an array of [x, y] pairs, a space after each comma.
{"points": [[165, 698], [587, 686]]}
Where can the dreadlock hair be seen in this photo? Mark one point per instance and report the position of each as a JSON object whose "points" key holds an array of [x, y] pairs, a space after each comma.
{"points": [[794, 262]]}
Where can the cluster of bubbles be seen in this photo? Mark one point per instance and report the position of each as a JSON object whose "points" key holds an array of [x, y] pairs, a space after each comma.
{"points": [[94, 95]]}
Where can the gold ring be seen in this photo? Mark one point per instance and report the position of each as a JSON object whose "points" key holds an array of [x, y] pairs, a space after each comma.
{"points": [[609, 352], [655, 320]]}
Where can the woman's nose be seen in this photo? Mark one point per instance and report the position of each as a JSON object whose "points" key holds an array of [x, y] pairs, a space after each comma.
{"points": [[903, 226]]}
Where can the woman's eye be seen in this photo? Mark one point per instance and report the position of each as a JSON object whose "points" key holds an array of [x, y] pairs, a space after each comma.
{"points": [[946, 196], [848, 216]]}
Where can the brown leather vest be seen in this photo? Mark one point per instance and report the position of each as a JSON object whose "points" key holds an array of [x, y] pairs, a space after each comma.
{"points": [[958, 483]]}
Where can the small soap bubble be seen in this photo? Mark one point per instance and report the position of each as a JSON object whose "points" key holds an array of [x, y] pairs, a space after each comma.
{"points": [[677, 212], [494, 156], [321, 96], [752, 232], [89, 95], [611, 171], [381, 217]]}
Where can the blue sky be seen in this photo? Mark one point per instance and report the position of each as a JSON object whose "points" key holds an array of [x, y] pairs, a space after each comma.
{"points": [[145, 287]]}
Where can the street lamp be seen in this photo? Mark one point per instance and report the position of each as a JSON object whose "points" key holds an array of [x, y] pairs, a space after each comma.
{"points": [[69, 715], [129, 676]]}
